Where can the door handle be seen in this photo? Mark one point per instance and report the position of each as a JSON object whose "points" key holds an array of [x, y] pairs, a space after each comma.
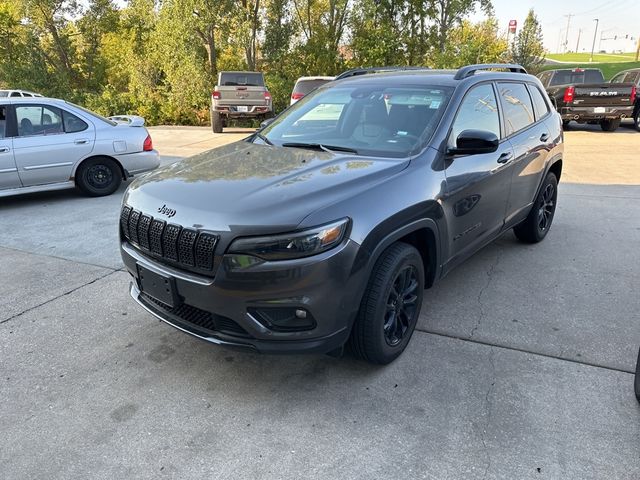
{"points": [[81, 141], [544, 137], [505, 157], [4, 149]]}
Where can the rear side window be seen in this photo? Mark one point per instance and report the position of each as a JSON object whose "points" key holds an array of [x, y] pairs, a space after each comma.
{"points": [[516, 105], [632, 77], [241, 79], [618, 78], [73, 124], [307, 86], [478, 111], [540, 107]]}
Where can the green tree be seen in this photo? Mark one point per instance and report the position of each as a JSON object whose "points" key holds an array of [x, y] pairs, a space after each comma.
{"points": [[528, 49]]}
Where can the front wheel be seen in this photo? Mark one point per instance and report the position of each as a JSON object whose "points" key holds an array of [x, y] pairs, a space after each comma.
{"points": [[98, 176], [537, 224], [610, 125], [390, 306]]}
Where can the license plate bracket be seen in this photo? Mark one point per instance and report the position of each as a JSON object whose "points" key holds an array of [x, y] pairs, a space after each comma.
{"points": [[242, 108], [160, 287]]}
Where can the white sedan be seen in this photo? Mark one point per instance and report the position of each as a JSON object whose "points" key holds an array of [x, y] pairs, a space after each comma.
{"points": [[49, 144]]}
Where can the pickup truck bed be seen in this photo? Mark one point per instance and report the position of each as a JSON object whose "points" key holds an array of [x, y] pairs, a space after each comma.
{"points": [[603, 103]]}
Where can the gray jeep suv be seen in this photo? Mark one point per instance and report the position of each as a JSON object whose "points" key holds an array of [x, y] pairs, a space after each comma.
{"points": [[324, 228]]}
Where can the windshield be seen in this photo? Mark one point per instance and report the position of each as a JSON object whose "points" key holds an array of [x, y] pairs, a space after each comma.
{"points": [[568, 77], [94, 115], [369, 119]]}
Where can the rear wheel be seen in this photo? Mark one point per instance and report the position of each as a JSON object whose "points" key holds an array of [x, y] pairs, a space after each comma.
{"points": [[217, 122], [636, 119], [390, 306], [98, 176], [565, 123], [610, 125], [537, 224]]}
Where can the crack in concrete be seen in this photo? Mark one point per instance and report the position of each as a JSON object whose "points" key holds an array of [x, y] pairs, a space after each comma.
{"points": [[59, 296], [481, 313], [524, 350]]}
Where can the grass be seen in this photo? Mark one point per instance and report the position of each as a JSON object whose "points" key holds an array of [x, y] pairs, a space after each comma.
{"points": [[597, 57], [608, 69]]}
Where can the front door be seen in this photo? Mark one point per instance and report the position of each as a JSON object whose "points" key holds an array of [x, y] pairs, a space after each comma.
{"points": [[43, 150], [8, 171], [477, 185]]}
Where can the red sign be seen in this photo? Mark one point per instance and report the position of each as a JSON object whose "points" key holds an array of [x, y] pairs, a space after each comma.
{"points": [[513, 25]]}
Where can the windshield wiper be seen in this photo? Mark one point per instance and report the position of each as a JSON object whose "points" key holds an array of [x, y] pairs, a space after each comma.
{"points": [[263, 138], [321, 146]]}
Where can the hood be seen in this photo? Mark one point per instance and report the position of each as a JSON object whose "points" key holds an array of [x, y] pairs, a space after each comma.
{"points": [[264, 187]]}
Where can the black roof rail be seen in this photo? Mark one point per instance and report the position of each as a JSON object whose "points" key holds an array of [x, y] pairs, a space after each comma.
{"points": [[364, 71], [469, 70]]}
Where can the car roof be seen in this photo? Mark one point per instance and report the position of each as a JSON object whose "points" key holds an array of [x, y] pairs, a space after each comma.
{"points": [[433, 77], [318, 77], [239, 71], [38, 99]]}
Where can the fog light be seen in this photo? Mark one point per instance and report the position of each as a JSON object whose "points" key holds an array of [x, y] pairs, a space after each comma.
{"points": [[284, 319]]}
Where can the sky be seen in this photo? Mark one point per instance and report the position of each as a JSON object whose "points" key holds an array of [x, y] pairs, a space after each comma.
{"points": [[617, 17]]}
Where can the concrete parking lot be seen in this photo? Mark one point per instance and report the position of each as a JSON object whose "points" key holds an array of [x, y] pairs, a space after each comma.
{"points": [[522, 365]]}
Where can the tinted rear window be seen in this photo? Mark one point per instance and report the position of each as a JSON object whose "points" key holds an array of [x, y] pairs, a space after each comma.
{"points": [[566, 77], [245, 79], [306, 86], [4, 94]]}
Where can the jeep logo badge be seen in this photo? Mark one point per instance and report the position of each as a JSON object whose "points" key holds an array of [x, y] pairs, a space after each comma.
{"points": [[164, 210]]}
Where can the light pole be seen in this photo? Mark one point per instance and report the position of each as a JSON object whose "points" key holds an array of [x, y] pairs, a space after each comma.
{"points": [[593, 45]]}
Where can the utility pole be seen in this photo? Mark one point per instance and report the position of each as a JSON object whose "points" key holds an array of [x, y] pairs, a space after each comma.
{"points": [[593, 45], [638, 49], [566, 37], [578, 42]]}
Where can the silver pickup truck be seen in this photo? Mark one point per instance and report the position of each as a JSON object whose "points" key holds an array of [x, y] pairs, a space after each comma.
{"points": [[239, 95]]}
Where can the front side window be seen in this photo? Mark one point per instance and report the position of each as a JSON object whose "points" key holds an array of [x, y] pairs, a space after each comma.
{"points": [[478, 111], [3, 120], [369, 119], [516, 105], [38, 120]]}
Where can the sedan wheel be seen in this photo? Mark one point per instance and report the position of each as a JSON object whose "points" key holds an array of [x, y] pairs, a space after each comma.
{"points": [[98, 176]]}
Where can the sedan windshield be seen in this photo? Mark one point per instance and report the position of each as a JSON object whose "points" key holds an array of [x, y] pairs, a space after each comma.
{"points": [[371, 119]]}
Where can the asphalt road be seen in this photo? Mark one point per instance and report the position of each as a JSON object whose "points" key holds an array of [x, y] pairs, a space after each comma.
{"points": [[521, 366]]}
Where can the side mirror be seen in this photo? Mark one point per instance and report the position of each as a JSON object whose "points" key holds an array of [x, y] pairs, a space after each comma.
{"points": [[473, 142], [266, 122]]}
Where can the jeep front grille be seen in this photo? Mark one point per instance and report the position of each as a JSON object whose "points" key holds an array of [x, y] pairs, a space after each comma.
{"points": [[185, 247]]}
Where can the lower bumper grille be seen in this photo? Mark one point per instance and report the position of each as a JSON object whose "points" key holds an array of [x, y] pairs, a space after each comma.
{"points": [[203, 320]]}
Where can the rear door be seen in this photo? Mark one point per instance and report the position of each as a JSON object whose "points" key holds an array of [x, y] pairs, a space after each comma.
{"points": [[477, 185], [8, 171], [525, 109], [49, 142], [242, 90]]}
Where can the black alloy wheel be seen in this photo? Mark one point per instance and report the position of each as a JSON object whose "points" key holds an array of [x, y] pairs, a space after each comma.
{"points": [[401, 306], [547, 207]]}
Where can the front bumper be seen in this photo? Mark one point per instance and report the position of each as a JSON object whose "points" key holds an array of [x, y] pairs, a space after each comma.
{"points": [[139, 162], [586, 114], [323, 285]]}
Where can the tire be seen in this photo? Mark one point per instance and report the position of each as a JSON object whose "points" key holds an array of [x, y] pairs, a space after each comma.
{"points": [[565, 124], [98, 176], [636, 383], [384, 326], [636, 119], [217, 122], [532, 229], [610, 125]]}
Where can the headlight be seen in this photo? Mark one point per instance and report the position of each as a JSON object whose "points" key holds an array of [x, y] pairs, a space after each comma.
{"points": [[292, 245]]}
